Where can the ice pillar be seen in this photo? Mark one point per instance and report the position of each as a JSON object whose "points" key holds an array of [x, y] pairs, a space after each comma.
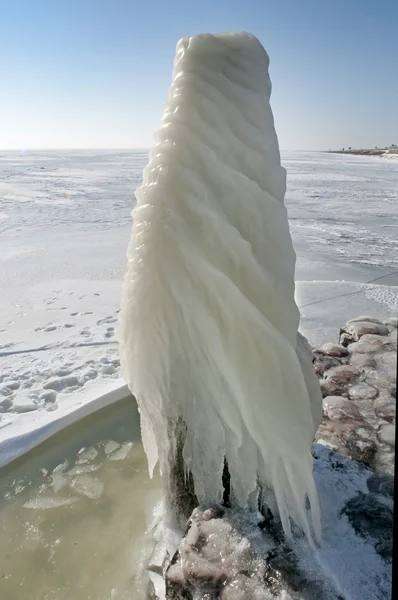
{"points": [[208, 321]]}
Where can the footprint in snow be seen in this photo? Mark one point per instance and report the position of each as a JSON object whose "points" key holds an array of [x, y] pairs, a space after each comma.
{"points": [[7, 345], [109, 319], [59, 384], [47, 328]]}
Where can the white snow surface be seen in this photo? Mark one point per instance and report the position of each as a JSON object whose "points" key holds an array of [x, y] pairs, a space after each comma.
{"points": [[208, 318], [64, 227]]}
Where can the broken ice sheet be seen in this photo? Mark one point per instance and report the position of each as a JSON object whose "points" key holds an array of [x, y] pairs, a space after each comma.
{"points": [[88, 486], [122, 452], [43, 503]]}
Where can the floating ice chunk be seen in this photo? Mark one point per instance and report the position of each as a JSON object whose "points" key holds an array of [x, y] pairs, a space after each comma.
{"points": [[18, 486], [122, 452], [43, 503], [58, 481], [111, 446], [60, 468], [88, 486], [87, 455], [81, 469]]}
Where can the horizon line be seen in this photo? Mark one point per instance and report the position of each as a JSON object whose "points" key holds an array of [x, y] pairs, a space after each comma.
{"points": [[144, 148]]}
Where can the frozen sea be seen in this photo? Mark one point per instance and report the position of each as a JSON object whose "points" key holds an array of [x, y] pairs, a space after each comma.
{"points": [[64, 228]]}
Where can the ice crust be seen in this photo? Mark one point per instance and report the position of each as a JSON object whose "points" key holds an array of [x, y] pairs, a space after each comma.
{"points": [[208, 318]]}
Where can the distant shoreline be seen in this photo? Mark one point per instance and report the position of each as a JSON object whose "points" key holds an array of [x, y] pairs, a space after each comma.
{"points": [[371, 152]]}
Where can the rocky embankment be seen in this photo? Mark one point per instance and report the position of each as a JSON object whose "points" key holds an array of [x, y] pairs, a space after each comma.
{"points": [[358, 382], [239, 556]]}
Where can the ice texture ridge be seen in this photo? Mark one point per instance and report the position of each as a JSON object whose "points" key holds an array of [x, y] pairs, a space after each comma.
{"points": [[208, 325]]}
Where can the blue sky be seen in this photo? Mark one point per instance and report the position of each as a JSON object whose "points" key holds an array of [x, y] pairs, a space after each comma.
{"points": [[94, 73]]}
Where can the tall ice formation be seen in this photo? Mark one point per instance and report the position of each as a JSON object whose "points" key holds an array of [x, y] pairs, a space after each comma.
{"points": [[208, 321]]}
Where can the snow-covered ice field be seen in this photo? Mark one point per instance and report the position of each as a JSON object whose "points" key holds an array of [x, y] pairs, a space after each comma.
{"points": [[64, 228]]}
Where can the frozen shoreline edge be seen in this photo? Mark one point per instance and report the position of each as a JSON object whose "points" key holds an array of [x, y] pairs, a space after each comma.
{"points": [[21, 442]]}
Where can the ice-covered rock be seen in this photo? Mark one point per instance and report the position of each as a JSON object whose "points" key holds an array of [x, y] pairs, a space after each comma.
{"points": [[323, 363], [370, 517], [369, 343], [354, 330], [362, 361], [337, 407], [235, 554], [362, 390], [394, 335], [386, 411], [392, 322], [330, 387], [334, 349], [246, 555], [381, 484], [364, 319], [387, 434], [367, 377], [343, 374]]}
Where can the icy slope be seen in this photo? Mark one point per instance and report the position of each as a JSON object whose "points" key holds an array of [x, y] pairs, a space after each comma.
{"points": [[209, 322]]}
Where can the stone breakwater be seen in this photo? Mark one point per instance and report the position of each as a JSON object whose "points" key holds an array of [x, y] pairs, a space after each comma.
{"points": [[235, 555], [358, 382]]}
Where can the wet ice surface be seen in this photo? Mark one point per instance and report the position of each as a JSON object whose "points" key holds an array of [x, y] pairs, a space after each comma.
{"points": [[80, 189], [72, 516], [343, 211], [65, 224]]}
